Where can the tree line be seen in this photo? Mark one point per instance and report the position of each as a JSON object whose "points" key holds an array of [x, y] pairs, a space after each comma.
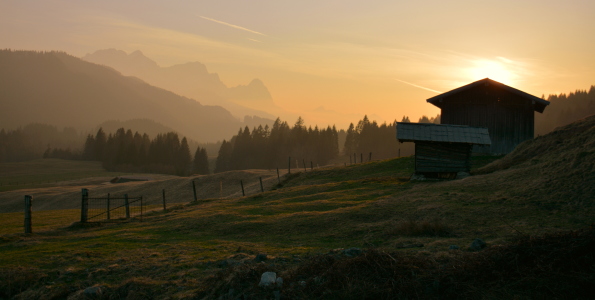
{"points": [[380, 140], [33, 140], [128, 152], [271, 147], [565, 109]]}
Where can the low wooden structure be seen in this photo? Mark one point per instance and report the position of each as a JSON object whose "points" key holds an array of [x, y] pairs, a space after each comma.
{"points": [[508, 113], [442, 150]]}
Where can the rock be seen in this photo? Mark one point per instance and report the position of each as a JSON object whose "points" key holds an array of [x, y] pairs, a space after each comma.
{"points": [[92, 292], [453, 247], [477, 245], [260, 257], [268, 279], [279, 282], [352, 252]]}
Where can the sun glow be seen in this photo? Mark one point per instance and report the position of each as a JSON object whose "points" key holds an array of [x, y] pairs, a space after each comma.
{"points": [[493, 69]]}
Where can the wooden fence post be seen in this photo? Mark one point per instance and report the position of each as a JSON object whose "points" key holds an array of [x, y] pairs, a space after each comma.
{"points": [[163, 195], [311, 166], [221, 189], [361, 158], [261, 187], [28, 205], [194, 189], [242, 184], [289, 166], [141, 208], [370, 159], [304, 162], [108, 209], [84, 205], [278, 177], [127, 206], [399, 152]]}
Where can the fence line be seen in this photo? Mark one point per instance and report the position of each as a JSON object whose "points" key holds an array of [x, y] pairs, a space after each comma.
{"points": [[120, 208]]}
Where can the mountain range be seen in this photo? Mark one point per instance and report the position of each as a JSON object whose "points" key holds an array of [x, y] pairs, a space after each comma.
{"points": [[192, 80], [62, 90]]}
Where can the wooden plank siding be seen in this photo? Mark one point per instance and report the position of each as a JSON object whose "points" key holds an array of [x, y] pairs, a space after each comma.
{"points": [[440, 157], [508, 117]]}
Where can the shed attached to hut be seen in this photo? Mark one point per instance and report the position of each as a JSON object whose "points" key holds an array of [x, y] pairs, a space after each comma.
{"points": [[508, 113], [442, 150]]}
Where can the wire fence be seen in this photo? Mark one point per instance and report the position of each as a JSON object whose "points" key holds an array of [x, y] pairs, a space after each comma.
{"points": [[111, 203], [113, 209]]}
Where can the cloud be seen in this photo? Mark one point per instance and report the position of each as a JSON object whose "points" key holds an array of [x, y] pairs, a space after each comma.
{"points": [[254, 40], [232, 26], [418, 86]]}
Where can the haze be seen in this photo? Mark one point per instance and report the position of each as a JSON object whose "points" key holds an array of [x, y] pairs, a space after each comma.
{"points": [[332, 61]]}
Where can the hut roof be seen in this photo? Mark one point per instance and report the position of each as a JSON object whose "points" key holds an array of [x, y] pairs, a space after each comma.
{"points": [[409, 132], [539, 104]]}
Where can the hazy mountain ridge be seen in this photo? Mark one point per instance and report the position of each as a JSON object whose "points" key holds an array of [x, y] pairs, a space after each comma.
{"points": [[191, 79], [62, 90]]}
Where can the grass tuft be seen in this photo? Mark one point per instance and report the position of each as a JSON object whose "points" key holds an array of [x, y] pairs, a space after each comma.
{"points": [[427, 227]]}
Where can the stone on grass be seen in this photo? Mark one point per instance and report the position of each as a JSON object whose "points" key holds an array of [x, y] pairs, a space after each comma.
{"points": [[268, 279], [92, 292], [279, 282], [477, 245], [453, 247]]}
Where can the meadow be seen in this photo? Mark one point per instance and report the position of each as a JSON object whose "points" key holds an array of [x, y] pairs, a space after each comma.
{"points": [[206, 249]]}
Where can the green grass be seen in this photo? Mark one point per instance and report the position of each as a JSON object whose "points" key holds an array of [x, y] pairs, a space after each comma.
{"points": [[365, 205], [47, 172]]}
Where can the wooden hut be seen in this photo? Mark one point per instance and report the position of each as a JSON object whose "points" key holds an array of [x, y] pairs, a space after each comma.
{"points": [[442, 150], [508, 113]]}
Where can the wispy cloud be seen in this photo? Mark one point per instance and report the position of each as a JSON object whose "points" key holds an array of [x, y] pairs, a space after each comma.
{"points": [[254, 40], [418, 86], [232, 26]]}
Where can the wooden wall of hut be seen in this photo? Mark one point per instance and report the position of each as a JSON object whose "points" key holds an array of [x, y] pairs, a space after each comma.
{"points": [[508, 117], [440, 157]]}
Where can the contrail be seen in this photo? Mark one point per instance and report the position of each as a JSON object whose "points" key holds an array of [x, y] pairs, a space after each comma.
{"points": [[232, 26], [418, 86]]}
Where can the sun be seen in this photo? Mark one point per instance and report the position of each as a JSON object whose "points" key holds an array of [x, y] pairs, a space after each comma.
{"points": [[493, 69]]}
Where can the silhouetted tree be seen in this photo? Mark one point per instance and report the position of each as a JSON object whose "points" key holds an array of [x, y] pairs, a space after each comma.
{"points": [[224, 157], [200, 164]]}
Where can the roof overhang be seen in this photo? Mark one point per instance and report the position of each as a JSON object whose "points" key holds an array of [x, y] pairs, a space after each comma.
{"points": [[538, 103], [443, 133]]}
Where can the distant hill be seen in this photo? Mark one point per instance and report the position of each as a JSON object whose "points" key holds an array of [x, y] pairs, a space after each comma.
{"points": [[191, 80], [62, 90]]}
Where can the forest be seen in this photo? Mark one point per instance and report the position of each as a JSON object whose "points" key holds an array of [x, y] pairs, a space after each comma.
{"points": [[269, 148], [265, 147], [128, 152]]}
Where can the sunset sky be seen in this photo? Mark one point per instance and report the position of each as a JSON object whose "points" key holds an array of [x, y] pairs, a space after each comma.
{"points": [[332, 61]]}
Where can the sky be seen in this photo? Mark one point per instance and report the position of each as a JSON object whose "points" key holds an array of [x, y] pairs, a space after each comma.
{"points": [[332, 61]]}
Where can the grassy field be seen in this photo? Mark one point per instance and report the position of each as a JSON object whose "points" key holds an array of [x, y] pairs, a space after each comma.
{"points": [[370, 206], [48, 172]]}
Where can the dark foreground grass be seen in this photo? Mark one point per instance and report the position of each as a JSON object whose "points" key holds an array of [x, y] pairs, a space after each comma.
{"points": [[207, 249]]}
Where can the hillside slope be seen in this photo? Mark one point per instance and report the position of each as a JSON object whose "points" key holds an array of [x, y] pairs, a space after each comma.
{"points": [[62, 90], [527, 210]]}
